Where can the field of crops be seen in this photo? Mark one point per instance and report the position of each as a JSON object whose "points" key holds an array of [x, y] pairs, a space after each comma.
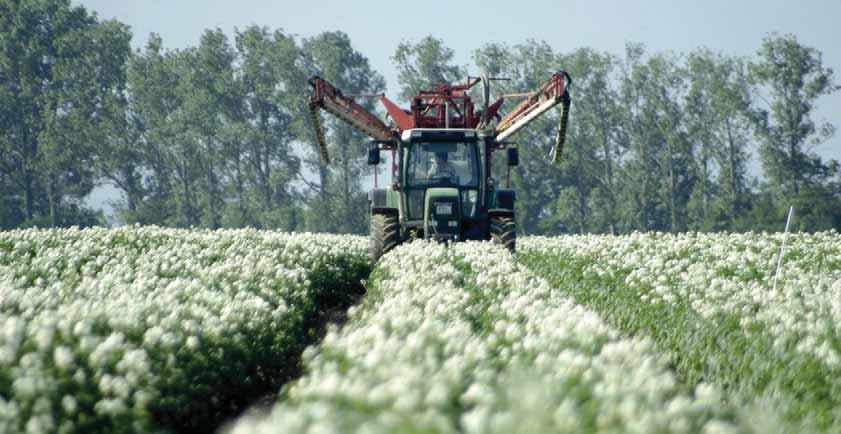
{"points": [[710, 304], [144, 329], [138, 328]]}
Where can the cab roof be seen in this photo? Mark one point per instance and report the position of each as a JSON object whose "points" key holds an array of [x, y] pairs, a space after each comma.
{"points": [[439, 134]]}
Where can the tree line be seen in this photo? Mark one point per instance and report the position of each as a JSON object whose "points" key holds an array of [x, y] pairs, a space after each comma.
{"points": [[220, 135]]}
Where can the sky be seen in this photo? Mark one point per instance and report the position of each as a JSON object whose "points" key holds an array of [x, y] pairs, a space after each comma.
{"points": [[375, 27]]}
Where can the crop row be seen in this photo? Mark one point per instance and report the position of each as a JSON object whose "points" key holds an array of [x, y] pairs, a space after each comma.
{"points": [[464, 339], [135, 329], [710, 301]]}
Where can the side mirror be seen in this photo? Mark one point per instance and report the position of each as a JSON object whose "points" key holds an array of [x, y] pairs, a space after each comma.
{"points": [[374, 154], [513, 156]]}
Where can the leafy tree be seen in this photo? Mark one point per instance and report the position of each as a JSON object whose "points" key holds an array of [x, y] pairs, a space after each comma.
{"points": [[150, 134], [62, 78], [717, 107], [642, 208], [424, 64], [270, 81], [793, 78], [213, 125], [207, 136], [340, 203], [664, 88], [703, 119], [594, 148], [207, 91]]}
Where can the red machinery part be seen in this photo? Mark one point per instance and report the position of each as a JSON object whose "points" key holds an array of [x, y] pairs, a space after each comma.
{"points": [[326, 96], [445, 106], [549, 95]]}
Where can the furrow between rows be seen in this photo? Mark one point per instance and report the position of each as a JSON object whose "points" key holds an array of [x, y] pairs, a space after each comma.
{"points": [[463, 339]]}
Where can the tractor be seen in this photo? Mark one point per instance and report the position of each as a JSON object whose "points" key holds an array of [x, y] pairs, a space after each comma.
{"points": [[441, 154]]}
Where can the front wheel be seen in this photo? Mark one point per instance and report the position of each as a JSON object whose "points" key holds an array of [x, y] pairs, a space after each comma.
{"points": [[504, 232], [385, 235]]}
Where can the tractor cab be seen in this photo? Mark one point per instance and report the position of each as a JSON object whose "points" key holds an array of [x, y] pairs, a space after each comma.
{"points": [[442, 182]]}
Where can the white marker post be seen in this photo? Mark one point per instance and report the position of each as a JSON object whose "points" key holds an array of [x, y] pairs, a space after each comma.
{"points": [[782, 248]]}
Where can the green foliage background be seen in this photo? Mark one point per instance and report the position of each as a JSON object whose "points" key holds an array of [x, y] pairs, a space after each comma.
{"points": [[218, 135]]}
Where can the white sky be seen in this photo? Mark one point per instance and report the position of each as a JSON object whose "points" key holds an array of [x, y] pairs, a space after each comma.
{"points": [[376, 26]]}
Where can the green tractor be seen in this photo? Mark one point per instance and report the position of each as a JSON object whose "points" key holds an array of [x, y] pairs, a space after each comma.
{"points": [[441, 153]]}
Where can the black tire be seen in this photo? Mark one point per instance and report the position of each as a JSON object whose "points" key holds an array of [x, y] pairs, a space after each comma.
{"points": [[385, 235], [504, 232]]}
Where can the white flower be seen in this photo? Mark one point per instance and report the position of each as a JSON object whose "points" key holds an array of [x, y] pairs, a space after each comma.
{"points": [[69, 404], [110, 406], [25, 387], [63, 357], [436, 334], [111, 308]]}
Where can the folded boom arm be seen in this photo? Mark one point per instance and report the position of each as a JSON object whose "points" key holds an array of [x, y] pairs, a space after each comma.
{"points": [[330, 99], [550, 94]]}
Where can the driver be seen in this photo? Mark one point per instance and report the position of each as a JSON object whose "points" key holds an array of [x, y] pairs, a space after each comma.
{"points": [[441, 168]]}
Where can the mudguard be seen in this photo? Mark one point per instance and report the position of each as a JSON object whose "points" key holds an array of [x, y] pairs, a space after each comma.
{"points": [[505, 199], [382, 202]]}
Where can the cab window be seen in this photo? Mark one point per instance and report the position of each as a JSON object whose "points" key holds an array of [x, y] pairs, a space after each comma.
{"points": [[443, 163]]}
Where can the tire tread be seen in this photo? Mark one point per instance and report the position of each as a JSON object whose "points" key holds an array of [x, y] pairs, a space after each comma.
{"points": [[384, 235], [504, 232]]}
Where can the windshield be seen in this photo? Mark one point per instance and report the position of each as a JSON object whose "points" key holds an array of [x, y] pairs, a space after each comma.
{"points": [[443, 163]]}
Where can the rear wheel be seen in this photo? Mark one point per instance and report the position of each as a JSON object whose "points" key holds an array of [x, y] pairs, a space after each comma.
{"points": [[504, 232], [385, 235]]}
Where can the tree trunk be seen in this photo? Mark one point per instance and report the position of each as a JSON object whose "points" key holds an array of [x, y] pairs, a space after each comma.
{"points": [[186, 207], [644, 198], [705, 191], [580, 190], [28, 156], [52, 197], [608, 174], [672, 187], [28, 195], [211, 197], [794, 169], [734, 186], [266, 168], [582, 210], [239, 181], [348, 213], [131, 187], [267, 177]]}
